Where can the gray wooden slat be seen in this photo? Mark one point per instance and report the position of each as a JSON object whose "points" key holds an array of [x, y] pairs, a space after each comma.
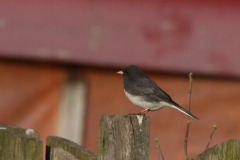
{"points": [[76, 150], [18, 144], [228, 150], [123, 137], [60, 154]]}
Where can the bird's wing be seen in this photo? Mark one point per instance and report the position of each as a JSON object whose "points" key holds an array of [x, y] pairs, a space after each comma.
{"points": [[152, 91]]}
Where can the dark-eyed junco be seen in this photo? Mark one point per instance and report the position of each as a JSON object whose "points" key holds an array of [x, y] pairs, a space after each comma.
{"points": [[145, 93]]}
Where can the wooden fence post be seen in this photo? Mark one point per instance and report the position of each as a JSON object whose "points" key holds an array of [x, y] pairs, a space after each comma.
{"points": [[123, 137], [228, 150], [19, 144], [60, 154], [68, 150]]}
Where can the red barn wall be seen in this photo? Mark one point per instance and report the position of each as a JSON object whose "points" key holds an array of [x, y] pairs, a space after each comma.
{"points": [[214, 101], [177, 36], [30, 95], [174, 36]]}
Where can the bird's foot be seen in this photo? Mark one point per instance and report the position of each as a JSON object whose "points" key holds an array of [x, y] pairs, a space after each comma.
{"points": [[141, 113], [145, 111]]}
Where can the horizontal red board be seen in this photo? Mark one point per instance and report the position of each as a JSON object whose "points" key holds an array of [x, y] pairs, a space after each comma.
{"points": [[176, 36]]}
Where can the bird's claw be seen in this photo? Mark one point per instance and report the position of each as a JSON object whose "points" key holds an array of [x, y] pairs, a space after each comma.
{"points": [[141, 113]]}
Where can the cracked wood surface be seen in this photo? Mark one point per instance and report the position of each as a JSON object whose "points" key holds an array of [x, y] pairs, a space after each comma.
{"points": [[123, 137], [19, 144]]}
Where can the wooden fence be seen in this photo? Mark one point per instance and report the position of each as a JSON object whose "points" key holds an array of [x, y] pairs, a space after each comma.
{"points": [[121, 137]]}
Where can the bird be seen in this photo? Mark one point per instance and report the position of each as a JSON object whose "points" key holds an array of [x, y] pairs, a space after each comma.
{"points": [[145, 93]]}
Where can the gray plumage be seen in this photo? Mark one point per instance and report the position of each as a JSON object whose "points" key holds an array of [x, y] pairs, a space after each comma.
{"points": [[145, 93]]}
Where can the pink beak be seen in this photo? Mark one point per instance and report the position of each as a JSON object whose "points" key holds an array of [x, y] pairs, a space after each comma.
{"points": [[120, 72]]}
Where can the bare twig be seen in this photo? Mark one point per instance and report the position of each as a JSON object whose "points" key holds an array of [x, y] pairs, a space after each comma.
{"points": [[190, 92], [159, 152], [210, 139], [188, 121], [186, 140]]}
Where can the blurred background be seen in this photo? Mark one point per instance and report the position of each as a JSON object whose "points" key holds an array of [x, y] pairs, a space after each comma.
{"points": [[59, 61]]}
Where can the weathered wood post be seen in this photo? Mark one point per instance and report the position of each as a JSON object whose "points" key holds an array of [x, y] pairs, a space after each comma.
{"points": [[62, 149], [60, 154], [19, 144], [228, 150], [123, 137]]}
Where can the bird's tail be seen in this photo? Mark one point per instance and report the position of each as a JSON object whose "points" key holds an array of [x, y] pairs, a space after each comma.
{"points": [[176, 106]]}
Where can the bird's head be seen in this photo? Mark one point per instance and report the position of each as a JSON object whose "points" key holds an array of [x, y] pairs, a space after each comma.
{"points": [[131, 72]]}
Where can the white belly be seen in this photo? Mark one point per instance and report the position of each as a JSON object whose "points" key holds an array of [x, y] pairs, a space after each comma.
{"points": [[152, 106], [137, 100]]}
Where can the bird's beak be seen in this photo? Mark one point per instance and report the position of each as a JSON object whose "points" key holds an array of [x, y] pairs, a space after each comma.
{"points": [[120, 72]]}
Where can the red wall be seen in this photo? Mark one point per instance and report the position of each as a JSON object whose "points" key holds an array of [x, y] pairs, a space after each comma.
{"points": [[214, 101], [177, 36], [30, 95], [170, 36]]}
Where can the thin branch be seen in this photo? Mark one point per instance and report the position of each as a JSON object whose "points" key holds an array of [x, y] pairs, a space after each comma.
{"points": [[159, 152], [210, 139], [186, 140], [188, 121], [190, 92]]}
